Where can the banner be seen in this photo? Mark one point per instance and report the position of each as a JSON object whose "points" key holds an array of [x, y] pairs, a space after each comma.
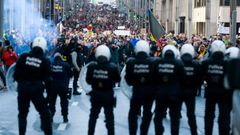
{"points": [[122, 32], [224, 30], [121, 27]]}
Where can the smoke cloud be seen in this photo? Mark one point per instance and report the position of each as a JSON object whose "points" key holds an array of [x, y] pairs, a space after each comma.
{"points": [[23, 19]]}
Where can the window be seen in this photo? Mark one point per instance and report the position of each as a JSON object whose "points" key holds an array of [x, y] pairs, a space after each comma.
{"points": [[227, 2], [199, 3], [224, 2]]}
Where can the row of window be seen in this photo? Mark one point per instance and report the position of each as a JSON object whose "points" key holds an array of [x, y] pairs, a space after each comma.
{"points": [[202, 3], [227, 2]]}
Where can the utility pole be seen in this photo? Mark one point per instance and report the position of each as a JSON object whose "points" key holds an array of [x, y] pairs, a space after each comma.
{"points": [[146, 8], [189, 19], [233, 24], [52, 8], [1, 17], [177, 23], [208, 17], [167, 15]]}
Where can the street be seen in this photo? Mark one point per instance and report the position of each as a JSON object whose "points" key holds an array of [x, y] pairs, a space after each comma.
{"points": [[79, 108]]}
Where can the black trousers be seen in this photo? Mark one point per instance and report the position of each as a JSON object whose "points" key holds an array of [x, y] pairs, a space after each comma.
{"points": [[140, 99], [98, 102], [163, 102], [2, 75], [75, 79], [62, 92], [40, 104], [224, 105], [190, 101]]}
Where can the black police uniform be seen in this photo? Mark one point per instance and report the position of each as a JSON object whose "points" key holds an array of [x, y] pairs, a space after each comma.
{"points": [[190, 83], [215, 93], [61, 73], [139, 74], [102, 77], [168, 73], [32, 69]]}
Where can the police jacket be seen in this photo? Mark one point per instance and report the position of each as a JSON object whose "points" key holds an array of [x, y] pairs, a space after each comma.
{"points": [[139, 71], [33, 68], [214, 69], [168, 73], [192, 75], [102, 76], [61, 72], [65, 51]]}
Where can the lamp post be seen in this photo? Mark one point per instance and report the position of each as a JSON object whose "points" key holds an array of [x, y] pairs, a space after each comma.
{"points": [[233, 19], [208, 17], [1, 17], [189, 19]]}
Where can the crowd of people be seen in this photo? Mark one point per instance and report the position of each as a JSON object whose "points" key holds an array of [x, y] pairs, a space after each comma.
{"points": [[168, 71]]}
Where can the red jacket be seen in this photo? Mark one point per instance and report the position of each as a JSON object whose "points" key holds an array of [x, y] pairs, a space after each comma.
{"points": [[9, 58]]}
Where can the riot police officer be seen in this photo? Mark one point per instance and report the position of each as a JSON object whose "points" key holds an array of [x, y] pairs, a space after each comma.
{"points": [[61, 74], [213, 70], [102, 76], [139, 74], [32, 72], [168, 73], [233, 85], [190, 83]]}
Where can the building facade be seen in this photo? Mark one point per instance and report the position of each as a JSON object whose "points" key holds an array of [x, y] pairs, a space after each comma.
{"points": [[196, 16], [191, 16]]}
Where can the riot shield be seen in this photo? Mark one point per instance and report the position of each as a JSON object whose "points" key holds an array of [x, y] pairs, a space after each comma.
{"points": [[10, 82], [85, 86], [236, 112], [125, 88]]}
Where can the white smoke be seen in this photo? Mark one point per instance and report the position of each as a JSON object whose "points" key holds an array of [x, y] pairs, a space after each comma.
{"points": [[25, 17]]}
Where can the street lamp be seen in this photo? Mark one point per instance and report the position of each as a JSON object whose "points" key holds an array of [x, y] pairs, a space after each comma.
{"points": [[233, 19], [1, 17]]}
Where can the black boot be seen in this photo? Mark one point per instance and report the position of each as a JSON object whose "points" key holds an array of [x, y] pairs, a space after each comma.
{"points": [[65, 119]]}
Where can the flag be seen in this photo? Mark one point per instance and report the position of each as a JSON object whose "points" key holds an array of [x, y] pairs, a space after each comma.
{"points": [[152, 38], [156, 29]]}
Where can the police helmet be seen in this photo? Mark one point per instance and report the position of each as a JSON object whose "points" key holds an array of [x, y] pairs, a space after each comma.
{"points": [[104, 51], [187, 49], [217, 46], [170, 51], [142, 46], [40, 42], [232, 52]]}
